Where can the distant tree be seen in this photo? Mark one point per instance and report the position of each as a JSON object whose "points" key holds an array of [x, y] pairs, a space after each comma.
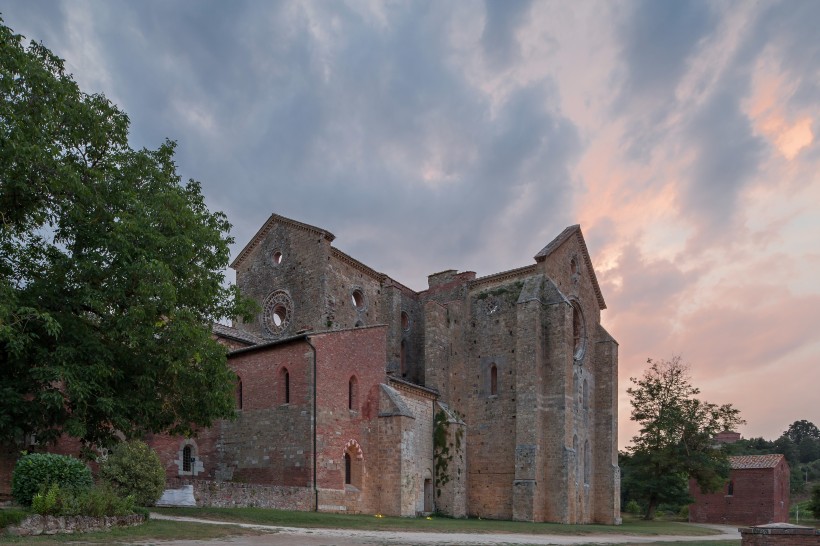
{"points": [[788, 448], [111, 270], [809, 450], [675, 441], [814, 503], [800, 430]]}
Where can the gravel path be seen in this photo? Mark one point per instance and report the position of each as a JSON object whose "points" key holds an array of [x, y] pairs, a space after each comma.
{"points": [[290, 536]]}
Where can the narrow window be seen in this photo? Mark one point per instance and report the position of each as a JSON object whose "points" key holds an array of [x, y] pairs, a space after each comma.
{"points": [[587, 466], [347, 469], [403, 357], [731, 488], [586, 395], [352, 394], [239, 393], [493, 380], [186, 459], [287, 387]]}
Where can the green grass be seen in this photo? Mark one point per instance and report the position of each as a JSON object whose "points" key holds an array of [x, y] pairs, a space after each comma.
{"points": [[262, 516], [152, 530]]}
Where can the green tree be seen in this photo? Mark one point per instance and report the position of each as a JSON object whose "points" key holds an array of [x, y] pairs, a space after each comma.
{"points": [[814, 503], [675, 441], [110, 269], [801, 430]]}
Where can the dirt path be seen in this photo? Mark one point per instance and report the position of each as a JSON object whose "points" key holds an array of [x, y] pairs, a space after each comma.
{"points": [[290, 536]]}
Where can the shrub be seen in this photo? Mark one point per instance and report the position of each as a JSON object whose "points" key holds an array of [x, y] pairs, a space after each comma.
{"points": [[133, 468], [46, 501], [11, 516], [684, 512], [814, 503], [36, 470], [632, 507]]}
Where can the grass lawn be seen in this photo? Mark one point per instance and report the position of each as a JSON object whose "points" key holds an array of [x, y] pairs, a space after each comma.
{"points": [[284, 518], [152, 530]]}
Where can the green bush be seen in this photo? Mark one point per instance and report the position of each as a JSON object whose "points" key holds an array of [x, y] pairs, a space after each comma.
{"points": [[11, 516], [36, 470], [814, 503], [46, 501], [684, 512], [632, 507], [97, 502], [133, 468]]}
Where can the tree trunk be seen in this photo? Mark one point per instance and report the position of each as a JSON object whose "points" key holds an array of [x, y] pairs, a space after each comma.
{"points": [[651, 508]]}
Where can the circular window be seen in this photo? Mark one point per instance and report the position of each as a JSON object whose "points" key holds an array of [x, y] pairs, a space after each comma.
{"points": [[579, 333], [357, 299], [277, 258], [405, 321], [277, 312]]}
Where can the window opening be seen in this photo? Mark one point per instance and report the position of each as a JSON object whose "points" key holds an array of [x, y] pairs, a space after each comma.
{"points": [[277, 257], [587, 469], [586, 395], [186, 458], [403, 358], [405, 321], [352, 394], [239, 394], [357, 299], [493, 379], [731, 488], [347, 469], [285, 386]]}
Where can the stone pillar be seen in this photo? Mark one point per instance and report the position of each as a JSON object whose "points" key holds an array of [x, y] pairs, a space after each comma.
{"points": [[436, 345], [607, 493], [528, 484], [451, 475]]}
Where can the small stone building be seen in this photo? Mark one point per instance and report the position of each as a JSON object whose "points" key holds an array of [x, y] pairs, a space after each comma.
{"points": [[757, 493], [486, 396]]}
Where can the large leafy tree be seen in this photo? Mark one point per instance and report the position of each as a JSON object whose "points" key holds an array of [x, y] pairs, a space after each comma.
{"points": [[675, 441], [110, 269], [802, 430]]}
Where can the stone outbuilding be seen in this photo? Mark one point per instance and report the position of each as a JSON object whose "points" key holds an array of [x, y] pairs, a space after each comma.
{"points": [[756, 493]]}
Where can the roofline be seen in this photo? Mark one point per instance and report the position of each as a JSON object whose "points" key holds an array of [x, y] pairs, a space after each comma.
{"points": [[561, 239], [283, 341], [266, 228]]}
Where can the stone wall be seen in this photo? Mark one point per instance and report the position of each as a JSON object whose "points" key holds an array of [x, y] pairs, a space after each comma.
{"points": [[780, 534], [224, 494], [52, 525]]}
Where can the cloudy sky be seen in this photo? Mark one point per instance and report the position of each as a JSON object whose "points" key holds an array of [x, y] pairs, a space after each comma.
{"points": [[682, 136]]}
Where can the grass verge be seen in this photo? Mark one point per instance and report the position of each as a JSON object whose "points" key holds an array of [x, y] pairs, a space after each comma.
{"points": [[263, 516]]}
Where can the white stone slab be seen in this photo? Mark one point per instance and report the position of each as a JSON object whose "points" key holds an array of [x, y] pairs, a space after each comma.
{"points": [[178, 497]]}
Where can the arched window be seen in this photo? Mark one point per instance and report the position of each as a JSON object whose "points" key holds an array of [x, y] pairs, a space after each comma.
{"points": [[353, 394], [493, 380], [587, 466], [354, 463], [284, 380], [186, 458], [239, 393], [577, 458]]}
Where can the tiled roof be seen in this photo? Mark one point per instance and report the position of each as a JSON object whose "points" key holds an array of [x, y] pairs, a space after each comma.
{"points": [[740, 462], [235, 333]]}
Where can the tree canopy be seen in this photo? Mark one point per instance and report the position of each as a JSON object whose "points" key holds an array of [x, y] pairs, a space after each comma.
{"points": [[675, 441], [111, 270]]}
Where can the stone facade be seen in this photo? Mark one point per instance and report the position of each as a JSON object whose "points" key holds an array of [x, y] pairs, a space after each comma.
{"points": [[493, 397], [757, 493], [509, 379]]}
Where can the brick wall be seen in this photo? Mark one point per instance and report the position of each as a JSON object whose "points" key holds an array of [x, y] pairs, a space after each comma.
{"points": [[760, 496]]}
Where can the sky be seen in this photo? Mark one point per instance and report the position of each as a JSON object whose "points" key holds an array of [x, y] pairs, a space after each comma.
{"points": [[682, 136]]}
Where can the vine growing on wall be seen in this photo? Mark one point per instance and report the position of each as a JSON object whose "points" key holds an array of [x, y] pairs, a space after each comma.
{"points": [[443, 449]]}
